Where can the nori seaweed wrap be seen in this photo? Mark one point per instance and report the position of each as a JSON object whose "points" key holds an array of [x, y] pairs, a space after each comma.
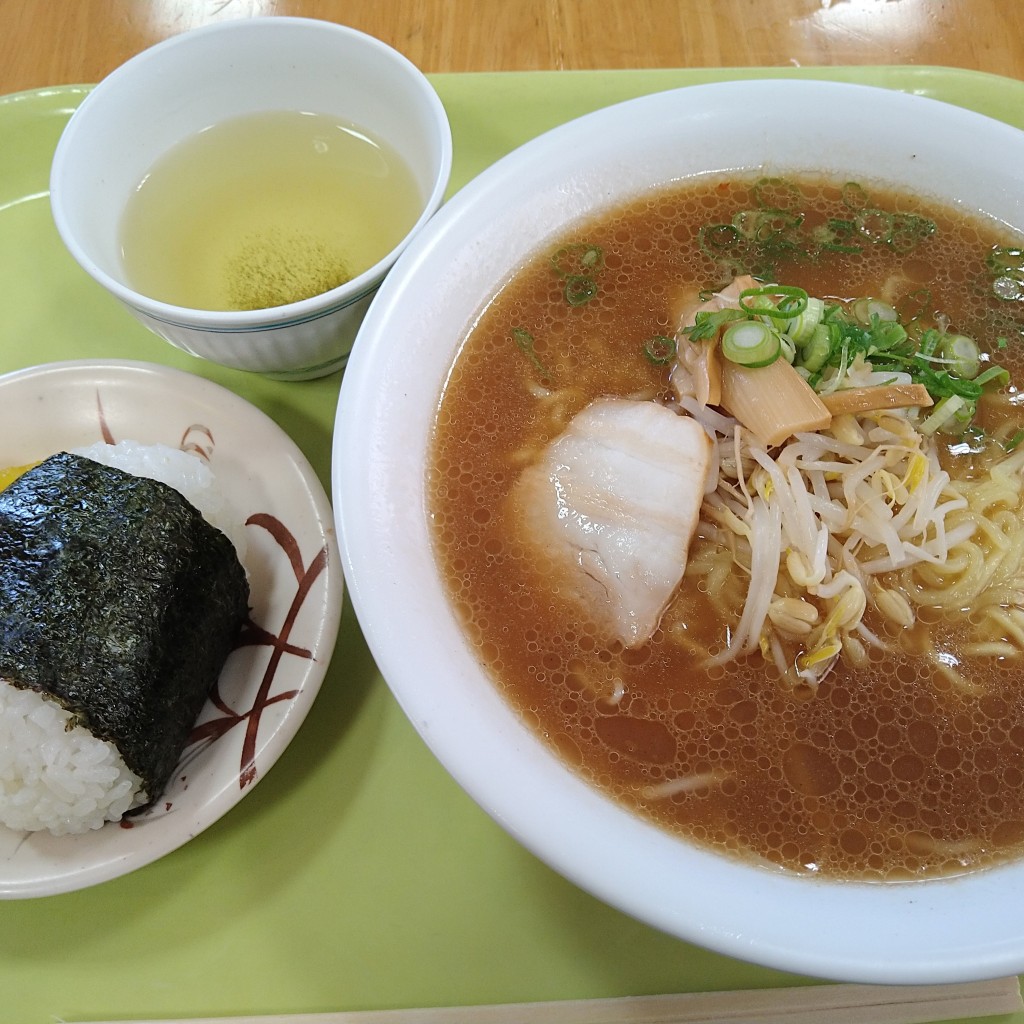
{"points": [[118, 601]]}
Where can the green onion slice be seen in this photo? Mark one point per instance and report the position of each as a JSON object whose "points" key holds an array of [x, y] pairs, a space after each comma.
{"points": [[793, 304], [961, 354], [864, 309], [579, 289], [945, 411], [802, 326], [751, 343], [929, 343], [707, 325], [875, 225], [524, 342], [577, 260], [719, 239], [909, 230], [886, 335], [1014, 441], [816, 351], [994, 374], [1001, 259], [766, 225], [660, 350], [854, 196]]}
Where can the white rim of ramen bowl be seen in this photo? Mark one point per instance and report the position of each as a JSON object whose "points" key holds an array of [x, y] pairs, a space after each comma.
{"points": [[956, 929], [184, 84]]}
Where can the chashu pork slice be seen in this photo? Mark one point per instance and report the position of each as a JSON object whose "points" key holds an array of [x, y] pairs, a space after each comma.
{"points": [[611, 507]]}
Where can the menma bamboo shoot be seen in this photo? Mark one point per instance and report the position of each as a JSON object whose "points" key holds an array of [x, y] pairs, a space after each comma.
{"points": [[772, 402]]}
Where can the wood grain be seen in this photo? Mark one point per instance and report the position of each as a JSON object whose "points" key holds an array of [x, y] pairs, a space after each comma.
{"points": [[809, 1004], [55, 42]]}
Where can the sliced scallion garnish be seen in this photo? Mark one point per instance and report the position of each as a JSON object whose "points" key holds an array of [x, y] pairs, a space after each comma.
{"points": [[579, 289], [961, 355], [524, 342], [887, 335], [816, 351], [1012, 442], [660, 350], [578, 264], [944, 411], [793, 304], [864, 309], [875, 225], [751, 343], [993, 375], [909, 230], [853, 195], [802, 326], [579, 259], [707, 325]]}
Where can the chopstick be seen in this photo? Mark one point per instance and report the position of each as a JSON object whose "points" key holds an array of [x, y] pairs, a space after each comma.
{"points": [[810, 1004]]}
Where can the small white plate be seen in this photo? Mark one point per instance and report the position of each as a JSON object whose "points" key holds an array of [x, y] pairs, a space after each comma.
{"points": [[269, 683]]}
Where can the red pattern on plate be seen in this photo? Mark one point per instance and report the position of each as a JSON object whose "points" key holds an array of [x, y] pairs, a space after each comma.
{"points": [[254, 634]]}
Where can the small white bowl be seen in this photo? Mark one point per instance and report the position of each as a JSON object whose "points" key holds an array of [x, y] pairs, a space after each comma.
{"points": [[942, 930], [190, 81]]}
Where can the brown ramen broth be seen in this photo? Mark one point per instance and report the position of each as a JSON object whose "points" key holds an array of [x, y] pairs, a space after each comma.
{"points": [[886, 770]]}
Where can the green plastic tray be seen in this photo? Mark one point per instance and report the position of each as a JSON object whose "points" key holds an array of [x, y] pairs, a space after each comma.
{"points": [[357, 875]]}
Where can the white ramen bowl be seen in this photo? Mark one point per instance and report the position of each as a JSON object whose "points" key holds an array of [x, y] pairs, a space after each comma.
{"points": [[956, 929], [191, 81]]}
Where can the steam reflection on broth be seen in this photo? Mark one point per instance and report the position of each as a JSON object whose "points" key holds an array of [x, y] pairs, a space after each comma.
{"points": [[904, 755]]}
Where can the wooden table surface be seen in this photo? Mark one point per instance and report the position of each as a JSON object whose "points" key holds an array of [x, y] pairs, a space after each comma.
{"points": [[53, 42]]}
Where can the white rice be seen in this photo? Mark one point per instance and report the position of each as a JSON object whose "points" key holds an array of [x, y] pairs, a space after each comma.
{"points": [[54, 774]]}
